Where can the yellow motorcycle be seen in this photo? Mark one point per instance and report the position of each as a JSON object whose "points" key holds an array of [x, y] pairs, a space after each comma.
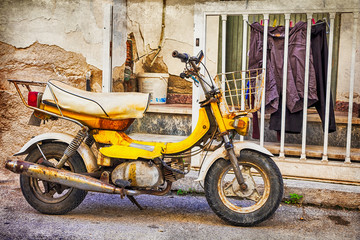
{"points": [[242, 184]]}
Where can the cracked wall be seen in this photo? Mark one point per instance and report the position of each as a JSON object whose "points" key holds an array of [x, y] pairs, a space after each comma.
{"points": [[42, 40], [41, 62], [72, 25], [144, 20], [38, 62]]}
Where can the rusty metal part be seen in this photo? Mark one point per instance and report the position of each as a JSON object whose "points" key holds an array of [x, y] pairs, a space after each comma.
{"points": [[209, 101], [235, 164], [105, 177], [133, 200], [138, 173], [177, 164], [32, 83], [151, 192], [119, 125], [27, 83], [229, 191], [89, 140], [63, 177], [74, 180], [73, 146]]}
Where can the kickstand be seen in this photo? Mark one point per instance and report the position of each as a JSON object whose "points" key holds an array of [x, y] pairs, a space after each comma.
{"points": [[133, 200]]}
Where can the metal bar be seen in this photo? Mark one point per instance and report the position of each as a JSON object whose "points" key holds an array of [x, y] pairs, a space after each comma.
{"points": [[41, 110], [351, 89], [230, 95], [53, 95], [328, 86], [243, 62], [107, 55], [223, 51], [225, 10], [306, 85], [63, 177], [236, 89], [284, 86], [262, 118], [25, 82]]}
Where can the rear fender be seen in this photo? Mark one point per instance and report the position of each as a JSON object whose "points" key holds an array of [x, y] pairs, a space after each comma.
{"points": [[222, 153], [85, 152]]}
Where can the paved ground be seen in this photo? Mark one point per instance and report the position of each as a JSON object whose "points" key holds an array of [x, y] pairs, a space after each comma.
{"points": [[103, 216]]}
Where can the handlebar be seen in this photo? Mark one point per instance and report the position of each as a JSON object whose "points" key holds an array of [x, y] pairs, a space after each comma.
{"points": [[182, 56]]}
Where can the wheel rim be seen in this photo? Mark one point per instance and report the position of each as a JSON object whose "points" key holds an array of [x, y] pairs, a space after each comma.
{"points": [[251, 199], [50, 192]]}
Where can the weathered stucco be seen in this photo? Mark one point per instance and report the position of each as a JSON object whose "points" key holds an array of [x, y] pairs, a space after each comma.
{"points": [[343, 85], [41, 62], [145, 22], [72, 25]]}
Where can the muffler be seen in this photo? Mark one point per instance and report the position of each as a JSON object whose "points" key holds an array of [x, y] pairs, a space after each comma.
{"points": [[64, 177]]}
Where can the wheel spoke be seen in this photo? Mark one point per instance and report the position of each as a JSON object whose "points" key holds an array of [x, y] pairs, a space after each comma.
{"points": [[246, 170], [46, 185], [255, 196], [50, 193], [228, 189]]}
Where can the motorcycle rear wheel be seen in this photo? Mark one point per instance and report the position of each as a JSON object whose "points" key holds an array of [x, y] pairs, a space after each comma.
{"points": [[252, 206], [47, 197]]}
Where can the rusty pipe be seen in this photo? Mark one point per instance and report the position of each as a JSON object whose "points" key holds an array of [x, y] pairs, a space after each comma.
{"points": [[64, 177]]}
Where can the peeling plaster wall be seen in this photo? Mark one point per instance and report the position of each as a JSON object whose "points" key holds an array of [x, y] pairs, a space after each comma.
{"points": [[72, 25], [144, 19], [42, 40]]}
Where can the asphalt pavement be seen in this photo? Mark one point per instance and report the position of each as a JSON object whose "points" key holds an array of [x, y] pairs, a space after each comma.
{"points": [[105, 216]]}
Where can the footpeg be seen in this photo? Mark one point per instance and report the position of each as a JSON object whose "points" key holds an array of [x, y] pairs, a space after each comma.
{"points": [[122, 183]]}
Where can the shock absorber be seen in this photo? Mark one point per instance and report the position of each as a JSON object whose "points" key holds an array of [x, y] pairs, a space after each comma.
{"points": [[73, 146]]}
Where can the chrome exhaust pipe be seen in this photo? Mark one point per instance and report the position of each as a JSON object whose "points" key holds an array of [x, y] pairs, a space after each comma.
{"points": [[64, 177]]}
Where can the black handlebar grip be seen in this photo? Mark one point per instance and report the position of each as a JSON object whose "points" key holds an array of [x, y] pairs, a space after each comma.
{"points": [[182, 56]]}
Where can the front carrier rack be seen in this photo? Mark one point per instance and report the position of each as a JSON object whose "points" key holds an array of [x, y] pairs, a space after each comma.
{"points": [[242, 90]]}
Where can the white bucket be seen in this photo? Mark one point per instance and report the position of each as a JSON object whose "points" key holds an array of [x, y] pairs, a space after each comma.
{"points": [[156, 84]]}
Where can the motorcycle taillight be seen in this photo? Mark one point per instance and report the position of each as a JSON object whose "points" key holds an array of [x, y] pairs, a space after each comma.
{"points": [[33, 99]]}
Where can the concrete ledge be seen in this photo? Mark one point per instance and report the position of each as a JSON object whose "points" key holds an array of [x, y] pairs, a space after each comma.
{"points": [[170, 108], [314, 193]]}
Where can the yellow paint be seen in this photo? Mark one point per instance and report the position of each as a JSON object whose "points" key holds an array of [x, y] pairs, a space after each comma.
{"points": [[228, 123], [125, 152], [132, 173], [112, 137], [219, 119], [200, 130], [240, 129]]}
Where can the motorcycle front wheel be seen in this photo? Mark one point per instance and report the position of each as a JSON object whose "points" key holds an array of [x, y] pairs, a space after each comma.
{"points": [[244, 207], [48, 197]]}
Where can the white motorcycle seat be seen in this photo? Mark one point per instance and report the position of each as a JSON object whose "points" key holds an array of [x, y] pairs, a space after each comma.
{"points": [[116, 106]]}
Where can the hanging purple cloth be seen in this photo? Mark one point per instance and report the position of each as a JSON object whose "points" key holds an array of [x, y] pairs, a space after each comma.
{"points": [[320, 54], [296, 74]]}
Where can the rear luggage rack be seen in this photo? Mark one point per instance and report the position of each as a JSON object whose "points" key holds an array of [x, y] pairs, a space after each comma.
{"points": [[27, 84]]}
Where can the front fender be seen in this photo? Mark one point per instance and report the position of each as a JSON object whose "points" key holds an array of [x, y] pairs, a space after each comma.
{"points": [[222, 153], [85, 152]]}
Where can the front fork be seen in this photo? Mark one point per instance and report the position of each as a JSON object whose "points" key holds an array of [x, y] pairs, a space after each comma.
{"points": [[228, 144], [234, 161]]}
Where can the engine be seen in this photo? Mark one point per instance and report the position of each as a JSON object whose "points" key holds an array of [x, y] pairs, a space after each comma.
{"points": [[144, 174]]}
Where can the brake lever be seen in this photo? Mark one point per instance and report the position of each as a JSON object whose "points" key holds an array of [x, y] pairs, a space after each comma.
{"points": [[184, 76], [195, 80]]}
